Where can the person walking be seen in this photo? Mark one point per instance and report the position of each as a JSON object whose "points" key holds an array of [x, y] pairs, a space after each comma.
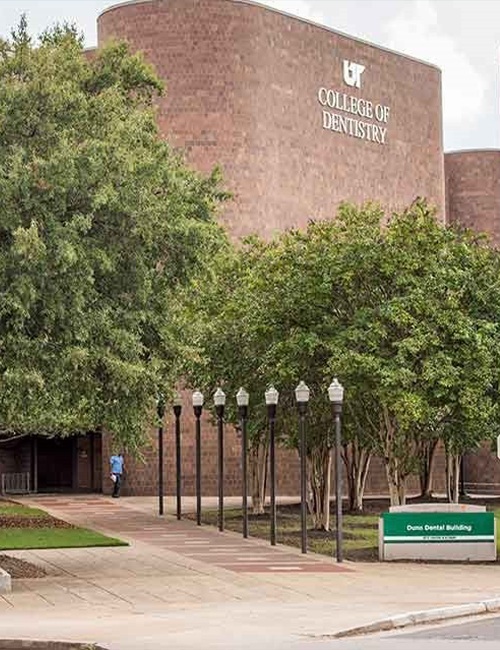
{"points": [[116, 463]]}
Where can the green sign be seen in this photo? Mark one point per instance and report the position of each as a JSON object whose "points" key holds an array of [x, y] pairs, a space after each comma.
{"points": [[410, 528]]}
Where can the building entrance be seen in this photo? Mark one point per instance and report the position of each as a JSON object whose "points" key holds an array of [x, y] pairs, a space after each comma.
{"points": [[56, 464], [67, 464]]}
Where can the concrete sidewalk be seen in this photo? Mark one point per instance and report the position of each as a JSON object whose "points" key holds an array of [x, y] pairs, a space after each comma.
{"points": [[182, 586]]}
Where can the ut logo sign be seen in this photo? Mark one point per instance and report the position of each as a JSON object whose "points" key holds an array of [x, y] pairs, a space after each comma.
{"points": [[352, 73]]}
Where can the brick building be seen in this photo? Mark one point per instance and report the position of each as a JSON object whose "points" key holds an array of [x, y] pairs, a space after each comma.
{"points": [[299, 117]]}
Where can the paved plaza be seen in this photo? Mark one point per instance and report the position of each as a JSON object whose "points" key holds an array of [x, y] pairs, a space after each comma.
{"points": [[179, 585]]}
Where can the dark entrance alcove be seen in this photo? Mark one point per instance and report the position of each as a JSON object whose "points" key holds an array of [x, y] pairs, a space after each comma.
{"points": [[56, 462], [62, 464]]}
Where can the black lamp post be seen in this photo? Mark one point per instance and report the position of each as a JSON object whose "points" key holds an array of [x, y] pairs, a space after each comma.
{"points": [[242, 399], [160, 409], [220, 401], [302, 398], [336, 396], [177, 413], [271, 396], [197, 408]]}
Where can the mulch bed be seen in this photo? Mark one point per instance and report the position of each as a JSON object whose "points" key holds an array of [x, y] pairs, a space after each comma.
{"points": [[37, 521], [20, 568]]}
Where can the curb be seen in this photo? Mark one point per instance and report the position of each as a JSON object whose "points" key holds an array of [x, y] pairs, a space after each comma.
{"points": [[5, 582], [29, 644], [418, 618]]}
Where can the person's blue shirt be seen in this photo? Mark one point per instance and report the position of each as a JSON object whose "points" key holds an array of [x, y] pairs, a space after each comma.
{"points": [[116, 463]]}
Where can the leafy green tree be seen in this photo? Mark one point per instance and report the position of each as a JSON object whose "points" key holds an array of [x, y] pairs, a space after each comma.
{"points": [[216, 325], [101, 223], [268, 317], [402, 310], [426, 352]]}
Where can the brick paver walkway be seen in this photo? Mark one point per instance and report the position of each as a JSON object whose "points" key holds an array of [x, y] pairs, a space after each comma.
{"points": [[226, 550]]}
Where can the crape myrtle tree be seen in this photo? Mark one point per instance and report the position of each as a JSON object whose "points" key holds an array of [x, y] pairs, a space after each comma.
{"points": [[268, 317], [472, 408], [101, 223], [402, 310], [303, 311], [426, 352]]}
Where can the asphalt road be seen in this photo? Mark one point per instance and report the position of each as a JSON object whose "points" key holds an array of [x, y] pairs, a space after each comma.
{"points": [[479, 634], [482, 633]]}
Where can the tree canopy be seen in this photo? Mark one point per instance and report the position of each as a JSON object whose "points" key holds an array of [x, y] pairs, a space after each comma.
{"points": [[101, 223], [403, 310]]}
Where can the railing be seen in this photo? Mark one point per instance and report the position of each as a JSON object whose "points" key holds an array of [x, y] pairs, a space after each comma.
{"points": [[486, 488], [16, 483]]}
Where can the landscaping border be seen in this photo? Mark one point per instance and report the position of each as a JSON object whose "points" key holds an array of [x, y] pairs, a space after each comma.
{"points": [[417, 618], [5, 583], [39, 644]]}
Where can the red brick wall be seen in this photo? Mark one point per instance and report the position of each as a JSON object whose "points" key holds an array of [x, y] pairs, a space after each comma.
{"points": [[242, 87], [242, 92], [473, 190], [482, 471], [473, 201], [141, 470]]}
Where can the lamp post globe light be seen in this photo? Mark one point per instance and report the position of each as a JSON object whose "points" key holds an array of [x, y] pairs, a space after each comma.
{"points": [[336, 393], [336, 397], [198, 399], [272, 396], [197, 408], [219, 402], [302, 393], [302, 397], [177, 408], [160, 410], [242, 399]]}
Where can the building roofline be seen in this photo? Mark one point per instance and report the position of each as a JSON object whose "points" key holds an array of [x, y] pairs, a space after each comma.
{"points": [[118, 5], [302, 20], [478, 150]]}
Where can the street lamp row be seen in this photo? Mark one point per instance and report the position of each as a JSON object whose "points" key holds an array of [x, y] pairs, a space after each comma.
{"points": [[302, 395]]}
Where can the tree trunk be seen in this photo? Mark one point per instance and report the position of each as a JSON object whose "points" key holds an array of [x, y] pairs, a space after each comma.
{"points": [[456, 487], [396, 485], [320, 463], [396, 478], [453, 477], [428, 454], [257, 458], [449, 477], [357, 462]]}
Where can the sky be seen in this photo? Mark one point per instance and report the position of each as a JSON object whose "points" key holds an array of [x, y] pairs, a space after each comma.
{"points": [[461, 37]]}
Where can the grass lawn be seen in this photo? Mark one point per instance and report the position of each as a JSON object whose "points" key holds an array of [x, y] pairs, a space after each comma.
{"points": [[360, 531], [25, 538], [22, 527], [9, 508]]}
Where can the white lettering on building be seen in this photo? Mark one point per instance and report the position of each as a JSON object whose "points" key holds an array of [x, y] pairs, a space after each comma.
{"points": [[352, 73], [354, 116]]}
